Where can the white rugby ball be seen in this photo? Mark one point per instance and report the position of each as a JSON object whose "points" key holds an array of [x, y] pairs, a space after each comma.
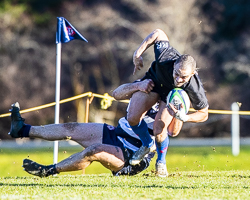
{"points": [[178, 96]]}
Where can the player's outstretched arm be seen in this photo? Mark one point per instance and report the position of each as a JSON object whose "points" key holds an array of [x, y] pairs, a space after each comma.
{"points": [[156, 35], [198, 116], [126, 90]]}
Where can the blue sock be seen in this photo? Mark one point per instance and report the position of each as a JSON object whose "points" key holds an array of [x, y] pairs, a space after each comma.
{"points": [[162, 148], [142, 131], [25, 130]]}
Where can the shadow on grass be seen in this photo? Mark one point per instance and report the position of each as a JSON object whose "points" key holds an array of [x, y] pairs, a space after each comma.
{"points": [[111, 186], [91, 185]]}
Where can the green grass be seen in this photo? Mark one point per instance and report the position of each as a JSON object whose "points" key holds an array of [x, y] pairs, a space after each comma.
{"points": [[178, 159], [184, 185], [195, 173]]}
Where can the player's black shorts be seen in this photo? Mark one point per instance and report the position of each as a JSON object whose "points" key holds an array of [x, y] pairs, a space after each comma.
{"points": [[110, 137], [158, 88], [166, 54]]}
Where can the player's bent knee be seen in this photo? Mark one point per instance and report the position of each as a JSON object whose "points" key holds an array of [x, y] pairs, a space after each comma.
{"points": [[91, 150], [159, 127], [133, 120]]}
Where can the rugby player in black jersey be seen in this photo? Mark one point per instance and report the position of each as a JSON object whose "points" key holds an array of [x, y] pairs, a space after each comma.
{"points": [[169, 70]]}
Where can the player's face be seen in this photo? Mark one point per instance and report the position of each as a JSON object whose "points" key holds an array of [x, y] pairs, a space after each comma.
{"points": [[181, 76]]}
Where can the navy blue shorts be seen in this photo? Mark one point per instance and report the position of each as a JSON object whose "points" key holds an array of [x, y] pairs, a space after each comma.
{"points": [[110, 137]]}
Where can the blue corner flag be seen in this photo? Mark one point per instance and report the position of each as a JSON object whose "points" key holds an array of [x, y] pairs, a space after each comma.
{"points": [[66, 32]]}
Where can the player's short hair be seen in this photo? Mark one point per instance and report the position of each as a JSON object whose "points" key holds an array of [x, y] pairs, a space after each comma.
{"points": [[186, 61]]}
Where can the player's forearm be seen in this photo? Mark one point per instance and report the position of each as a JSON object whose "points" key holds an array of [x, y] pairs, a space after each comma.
{"points": [[150, 40], [198, 116], [125, 91]]}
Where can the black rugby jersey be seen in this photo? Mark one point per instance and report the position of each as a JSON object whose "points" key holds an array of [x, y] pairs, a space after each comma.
{"points": [[161, 72]]}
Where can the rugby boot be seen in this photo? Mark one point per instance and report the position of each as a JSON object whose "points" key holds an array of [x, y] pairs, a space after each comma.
{"points": [[17, 122], [36, 169], [140, 154], [132, 170], [161, 169]]}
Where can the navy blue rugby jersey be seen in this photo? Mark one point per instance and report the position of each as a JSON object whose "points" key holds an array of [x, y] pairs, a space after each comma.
{"points": [[127, 136]]}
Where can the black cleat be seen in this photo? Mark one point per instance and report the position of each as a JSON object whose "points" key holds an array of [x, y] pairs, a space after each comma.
{"points": [[36, 169], [17, 122], [132, 170]]}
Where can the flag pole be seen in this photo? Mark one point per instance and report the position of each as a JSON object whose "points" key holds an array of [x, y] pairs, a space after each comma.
{"points": [[57, 96], [58, 83], [65, 33]]}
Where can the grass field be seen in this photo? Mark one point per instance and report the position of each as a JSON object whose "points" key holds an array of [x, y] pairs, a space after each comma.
{"points": [[195, 173]]}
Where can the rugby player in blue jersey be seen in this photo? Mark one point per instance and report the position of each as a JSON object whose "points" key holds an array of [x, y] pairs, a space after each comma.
{"points": [[109, 145]]}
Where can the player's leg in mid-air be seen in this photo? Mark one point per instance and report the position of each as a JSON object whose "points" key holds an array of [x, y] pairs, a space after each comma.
{"points": [[84, 134], [140, 103]]}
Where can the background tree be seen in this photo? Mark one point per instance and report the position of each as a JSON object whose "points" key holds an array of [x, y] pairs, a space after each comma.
{"points": [[215, 32]]}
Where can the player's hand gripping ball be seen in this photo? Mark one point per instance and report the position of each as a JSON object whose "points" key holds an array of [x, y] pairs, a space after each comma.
{"points": [[180, 100]]}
